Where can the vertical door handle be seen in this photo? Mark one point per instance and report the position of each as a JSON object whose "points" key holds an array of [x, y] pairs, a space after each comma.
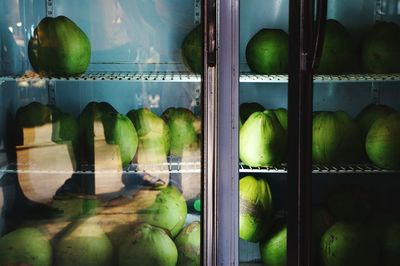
{"points": [[211, 33], [322, 10]]}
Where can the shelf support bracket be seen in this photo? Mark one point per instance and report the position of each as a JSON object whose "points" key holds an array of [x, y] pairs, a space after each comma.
{"points": [[51, 92], [375, 93], [50, 8], [197, 12]]}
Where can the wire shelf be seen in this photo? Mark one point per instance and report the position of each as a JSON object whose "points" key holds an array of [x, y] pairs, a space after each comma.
{"points": [[152, 169], [159, 76], [195, 167], [361, 168], [186, 76], [247, 77]]}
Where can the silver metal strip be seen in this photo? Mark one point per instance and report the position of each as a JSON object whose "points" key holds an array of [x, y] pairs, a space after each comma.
{"points": [[210, 175], [228, 134]]}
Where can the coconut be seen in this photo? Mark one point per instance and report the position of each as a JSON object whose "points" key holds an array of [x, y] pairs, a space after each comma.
{"points": [[322, 220], [336, 138], [168, 210], [25, 246], [192, 50], [183, 127], [246, 109], [348, 244], [147, 245], [255, 208], [262, 140], [188, 245], [84, 244], [273, 249], [153, 133], [369, 114], [383, 142]]}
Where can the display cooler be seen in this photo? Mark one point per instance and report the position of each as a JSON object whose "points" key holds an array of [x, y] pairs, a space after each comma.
{"points": [[155, 132]]}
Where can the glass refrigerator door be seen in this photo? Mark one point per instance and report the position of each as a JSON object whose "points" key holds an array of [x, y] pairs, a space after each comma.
{"points": [[355, 136], [101, 120], [263, 103]]}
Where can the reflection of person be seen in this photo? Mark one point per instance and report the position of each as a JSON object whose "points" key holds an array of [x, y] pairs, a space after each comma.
{"points": [[150, 31], [109, 20]]}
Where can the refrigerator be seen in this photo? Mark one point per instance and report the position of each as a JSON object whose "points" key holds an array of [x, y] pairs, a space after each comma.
{"points": [[103, 137], [151, 132], [328, 200]]}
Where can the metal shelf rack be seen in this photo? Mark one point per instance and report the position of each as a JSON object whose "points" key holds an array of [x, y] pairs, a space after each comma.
{"points": [[162, 168], [360, 168], [248, 77], [186, 76], [159, 76]]}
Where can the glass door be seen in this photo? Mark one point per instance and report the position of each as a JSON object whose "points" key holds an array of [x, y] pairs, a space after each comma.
{"points": [[102, 142], [263, 136], [355, 147]]}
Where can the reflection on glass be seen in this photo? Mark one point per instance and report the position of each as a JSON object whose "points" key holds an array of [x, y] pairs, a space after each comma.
{"points": [[112, 170]]}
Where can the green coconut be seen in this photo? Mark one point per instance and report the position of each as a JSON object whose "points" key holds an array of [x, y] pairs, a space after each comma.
{"points": [[338, 49], [168, 211], [348, 244], [281, 114], [32, 115], [336, 138], [267, 52], [246, 109], [153, 134], [383, 142], [369, 114], [273, 249], [119, 130], [84, 244], [255, 201], [147, 245], [381, 48], [349, 203], [188, 243], [262, 140], [184, 129], [59, 47], [322, 220], [25, 246], [192, 47]]}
